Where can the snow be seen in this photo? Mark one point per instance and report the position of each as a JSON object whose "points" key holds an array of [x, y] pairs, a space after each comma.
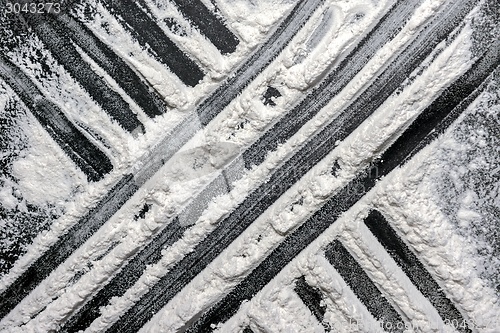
{"points": [[355, 152], [438, 200]]}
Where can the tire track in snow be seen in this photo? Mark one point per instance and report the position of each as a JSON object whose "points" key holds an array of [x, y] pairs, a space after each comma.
{"points": [[225, 93], [125, 279], [66, 244], [136, 87], [208, 24], [414, 269], [63, 50], [440, 114], [127, 276], [89, 158], [150, 36], [385, 30], [90, 311], [283, 178], [130, 183], [367, 292]]}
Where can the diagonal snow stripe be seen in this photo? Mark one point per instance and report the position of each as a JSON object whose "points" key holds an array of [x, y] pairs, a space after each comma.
{"points": [[280, 132], [225, 93], [130, 273], [414, 269], [361, 284], [66, 244], [136, 87], [150, 36], [130, 183], [208, 24], [89, 158], [311, 298], [61, 47], [285, 176], [444, 110]]}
